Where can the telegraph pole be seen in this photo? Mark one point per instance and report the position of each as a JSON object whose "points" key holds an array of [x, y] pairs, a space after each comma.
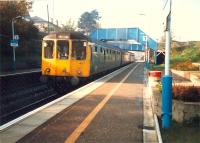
{"points": [[48, 17]]}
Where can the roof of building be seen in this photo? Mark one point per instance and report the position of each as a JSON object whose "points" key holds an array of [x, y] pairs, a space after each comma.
{"points": [[37, 19]]}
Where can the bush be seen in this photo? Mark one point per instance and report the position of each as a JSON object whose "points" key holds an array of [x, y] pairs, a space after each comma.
{"points": [[186, 93], [185, 66]]}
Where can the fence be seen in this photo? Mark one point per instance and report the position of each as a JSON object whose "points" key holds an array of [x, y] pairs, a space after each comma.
{"points": [[28, 54]]}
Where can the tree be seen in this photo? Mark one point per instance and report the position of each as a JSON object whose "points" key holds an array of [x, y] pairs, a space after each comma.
{"points": [[12, 9], [69, 26], [89, 21], [26, 31]]}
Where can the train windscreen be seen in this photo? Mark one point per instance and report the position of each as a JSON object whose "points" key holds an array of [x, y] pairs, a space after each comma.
{"points": [[79, 50], [62, 49], [48, 49]]}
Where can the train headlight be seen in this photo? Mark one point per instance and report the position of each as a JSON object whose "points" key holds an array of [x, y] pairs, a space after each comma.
{"points": [[64, 71], [47, 70], [79, 72]]}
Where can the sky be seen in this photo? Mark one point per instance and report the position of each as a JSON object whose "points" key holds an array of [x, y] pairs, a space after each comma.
{"points": [[145, 14]]}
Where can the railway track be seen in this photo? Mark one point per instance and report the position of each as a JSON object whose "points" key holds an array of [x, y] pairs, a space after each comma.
{"points": [[23, 93]]}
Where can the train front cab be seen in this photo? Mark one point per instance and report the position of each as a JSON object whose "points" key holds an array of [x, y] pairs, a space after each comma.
{"points": [[65, 58]]}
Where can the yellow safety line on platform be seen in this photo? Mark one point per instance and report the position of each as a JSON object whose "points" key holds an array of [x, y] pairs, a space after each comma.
{"points": [[77, 132]]}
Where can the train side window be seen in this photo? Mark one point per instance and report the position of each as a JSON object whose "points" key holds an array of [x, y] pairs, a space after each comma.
{"points": [[78, 50], [62, 49], [101, 49], [95, 48], [48, 49]]}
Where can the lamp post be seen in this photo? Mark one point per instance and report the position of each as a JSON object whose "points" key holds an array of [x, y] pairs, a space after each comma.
{"points": [[14, 38], [167, 78], [147, 50], [147, 54]]}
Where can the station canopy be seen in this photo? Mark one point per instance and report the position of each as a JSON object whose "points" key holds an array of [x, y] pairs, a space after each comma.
{"points": [[131, 39]]}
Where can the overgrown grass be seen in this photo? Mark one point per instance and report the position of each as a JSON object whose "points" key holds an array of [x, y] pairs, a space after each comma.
{"points": [[183, 57]]}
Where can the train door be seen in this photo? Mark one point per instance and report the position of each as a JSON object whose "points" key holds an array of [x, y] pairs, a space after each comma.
{"points": [[93, 66], [62, 58], [104, 59], [80, 58], [48, 57]]}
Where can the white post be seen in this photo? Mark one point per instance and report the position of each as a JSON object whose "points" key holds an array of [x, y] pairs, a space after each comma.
{"points": [[116, 35], [126, 33], [167, 53], [146, 49], [97, 34], [137, 38], [13, 29], [48, 17], [106, 34]]}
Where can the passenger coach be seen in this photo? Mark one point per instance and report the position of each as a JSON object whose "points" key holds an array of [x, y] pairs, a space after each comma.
{"points": [[71, 56]]}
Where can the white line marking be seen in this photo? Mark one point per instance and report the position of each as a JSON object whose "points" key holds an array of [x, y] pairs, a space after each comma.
{"points": [[19, 73], [77, 132], [148, 131], [158, 129]]}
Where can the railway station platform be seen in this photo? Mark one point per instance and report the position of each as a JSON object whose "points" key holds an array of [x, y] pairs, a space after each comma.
{"points": [[113, 109], [19, 72]]}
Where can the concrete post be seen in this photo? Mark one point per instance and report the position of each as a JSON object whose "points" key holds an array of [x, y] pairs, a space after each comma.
{"points": [[148, 54], [13, 37], [155, 57], [167, 80]]}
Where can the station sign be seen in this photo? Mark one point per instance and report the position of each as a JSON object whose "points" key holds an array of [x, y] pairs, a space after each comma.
{"points": [[144, 38], [16, 37], [14, 43]]}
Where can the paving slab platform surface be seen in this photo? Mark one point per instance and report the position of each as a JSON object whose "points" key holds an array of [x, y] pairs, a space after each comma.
{"points": [[112, 113]]}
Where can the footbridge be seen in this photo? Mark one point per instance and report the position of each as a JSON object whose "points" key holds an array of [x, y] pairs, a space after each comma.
{"points": [[131, 39]]}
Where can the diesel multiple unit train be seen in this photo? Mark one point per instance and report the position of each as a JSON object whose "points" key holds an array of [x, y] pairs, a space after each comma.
{"points": [[72, 56]]}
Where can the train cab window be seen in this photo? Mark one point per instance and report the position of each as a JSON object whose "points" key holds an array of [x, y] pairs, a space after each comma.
{"points": [[48, 49], [79, 50], [62, 49]]}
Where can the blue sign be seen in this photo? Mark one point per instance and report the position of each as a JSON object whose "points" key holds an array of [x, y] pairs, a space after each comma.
{"points": [[14, 43]]}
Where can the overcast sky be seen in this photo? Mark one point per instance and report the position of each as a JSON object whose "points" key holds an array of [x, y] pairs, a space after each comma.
{"points": [[146, 14]]}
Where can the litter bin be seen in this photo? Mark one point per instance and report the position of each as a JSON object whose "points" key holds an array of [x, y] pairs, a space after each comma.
{"points": [[154, 77]]}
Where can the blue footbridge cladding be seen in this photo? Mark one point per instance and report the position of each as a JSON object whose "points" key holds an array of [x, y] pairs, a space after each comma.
{"points": [[125, 38]]}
